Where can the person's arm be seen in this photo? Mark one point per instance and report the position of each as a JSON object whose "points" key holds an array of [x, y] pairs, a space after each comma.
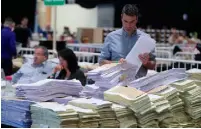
{"points": [[13, 45], [16, 77], [106, 52]]}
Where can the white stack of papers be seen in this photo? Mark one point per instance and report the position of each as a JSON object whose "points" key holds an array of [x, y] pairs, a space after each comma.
{"points": [[88, 118], [136, 100], [194, 74], [176, 106], [49, 89], [104, 109], [64, 100], [163, 78], [125, 116], [191, 94], [89, 91], [16, 112], [53, 115]]}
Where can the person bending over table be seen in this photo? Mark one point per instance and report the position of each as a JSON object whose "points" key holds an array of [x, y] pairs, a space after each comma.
{"points": [[68, 68], [119, 43]]}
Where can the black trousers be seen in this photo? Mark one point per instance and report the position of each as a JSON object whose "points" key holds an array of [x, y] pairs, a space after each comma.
{"points": [[7, 66]]}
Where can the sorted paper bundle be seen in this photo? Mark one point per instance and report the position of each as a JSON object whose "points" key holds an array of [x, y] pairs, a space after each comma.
{"points": [[53, 115], [194, 74], [125, 116], [64, 100], [163, 78], [191, 95], [16, 112], [88, 118], [136, 100], [49, 89], [107, 115]]}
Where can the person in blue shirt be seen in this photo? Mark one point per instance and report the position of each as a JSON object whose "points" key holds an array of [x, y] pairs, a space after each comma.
{"points": [[8, 46], [36, 69], [119, 43]]}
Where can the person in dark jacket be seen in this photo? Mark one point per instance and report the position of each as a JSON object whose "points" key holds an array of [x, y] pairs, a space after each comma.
{"points": [[68, 67], [8, 46]]}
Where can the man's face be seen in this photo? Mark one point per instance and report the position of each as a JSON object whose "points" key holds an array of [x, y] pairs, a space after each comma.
{"points": [[129, 22], [39, 56], [25, 22]]}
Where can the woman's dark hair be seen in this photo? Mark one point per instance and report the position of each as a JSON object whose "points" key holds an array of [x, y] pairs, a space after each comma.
{"points": [[68, 55]]}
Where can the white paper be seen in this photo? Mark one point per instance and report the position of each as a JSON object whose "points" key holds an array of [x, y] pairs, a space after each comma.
{"points": [[143, 45]]}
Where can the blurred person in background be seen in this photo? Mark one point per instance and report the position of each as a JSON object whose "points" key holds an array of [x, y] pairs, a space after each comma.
{"points": [[119, 43], [174, 36], [8, 46], [23, 33], [66, 31], [36, 69], [68, 68]]}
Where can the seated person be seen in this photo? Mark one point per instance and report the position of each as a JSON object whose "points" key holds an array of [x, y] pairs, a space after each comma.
{"points": [[35, 70], [68, 67]]}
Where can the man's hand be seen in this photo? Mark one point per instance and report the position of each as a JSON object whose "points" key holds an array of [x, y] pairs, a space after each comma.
{"points": [[122, 60], [144, 58]]}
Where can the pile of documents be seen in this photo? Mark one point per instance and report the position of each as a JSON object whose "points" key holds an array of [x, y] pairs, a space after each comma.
{"points": [[176, 106], [49, 89], [103, 108], [88, 118], [191, 95], [125, 116], [194, 74], [63, 100], [163, 78], [16, 112], [89, 91], [53, 115], [136, 100]]}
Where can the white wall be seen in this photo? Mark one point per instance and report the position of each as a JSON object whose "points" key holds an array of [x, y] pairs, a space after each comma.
{"points": [[73, 16]]}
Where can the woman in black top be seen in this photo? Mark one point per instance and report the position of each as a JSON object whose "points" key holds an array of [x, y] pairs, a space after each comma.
{"points": [[68, 67]]}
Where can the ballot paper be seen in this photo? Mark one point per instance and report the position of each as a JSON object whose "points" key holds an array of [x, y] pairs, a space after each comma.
{"points": [[53, 115], [16, 112], [159, 79], [64, 100], [143, 45], [194, 74], [49, 89]]}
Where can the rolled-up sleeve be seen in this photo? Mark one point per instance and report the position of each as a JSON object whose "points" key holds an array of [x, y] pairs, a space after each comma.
{"points": [[106, 50]]}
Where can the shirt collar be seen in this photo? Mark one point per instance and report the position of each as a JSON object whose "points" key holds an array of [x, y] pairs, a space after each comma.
{"points": [[126, 33], [7, 28]]}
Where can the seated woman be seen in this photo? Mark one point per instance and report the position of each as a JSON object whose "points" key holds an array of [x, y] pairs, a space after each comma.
{"points": [[68, 67]]}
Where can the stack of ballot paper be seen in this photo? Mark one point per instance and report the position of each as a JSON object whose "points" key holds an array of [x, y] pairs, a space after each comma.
{"points": [[163, 78], [191, 95], [104, 109], [136, 100], [89, 91], [125, 116], [63, 100], [194, 74], [176, 106], [48, 89], [16, 112], [88, 118], [53, 115]]}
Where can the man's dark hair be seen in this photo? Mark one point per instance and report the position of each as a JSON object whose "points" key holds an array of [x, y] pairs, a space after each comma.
{"points": [[130, 10], [68, 55]]}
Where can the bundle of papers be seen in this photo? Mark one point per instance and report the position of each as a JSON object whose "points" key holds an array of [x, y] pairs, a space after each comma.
{"points": [[64, 100], [125, 116], [163, 78], [136, 100], [49, 89], [89, 91], [53, 115], [88, 118], [177, 115], [194, 74], [16, 112], [191, 95], [107, 115]]}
